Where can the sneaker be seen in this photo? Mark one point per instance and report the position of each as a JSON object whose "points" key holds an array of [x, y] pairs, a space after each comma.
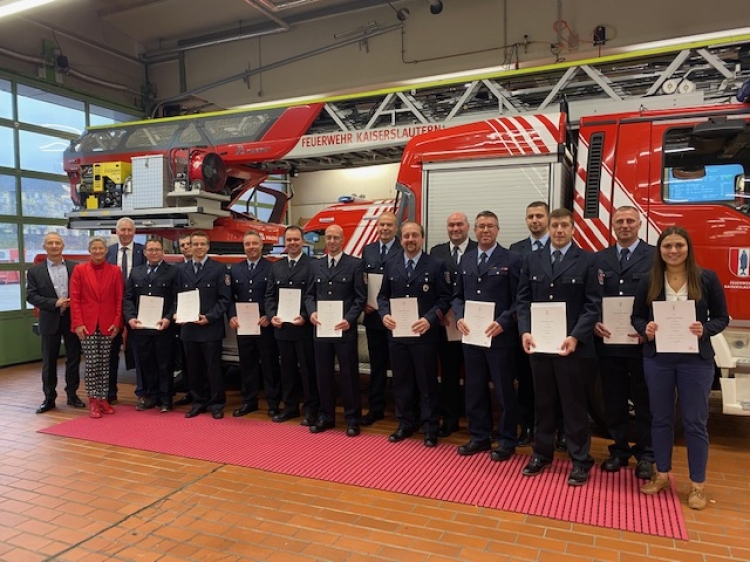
{"points": [[659, 482], [697, 499]]}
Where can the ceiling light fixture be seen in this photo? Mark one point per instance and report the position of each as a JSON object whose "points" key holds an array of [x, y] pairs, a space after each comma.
{"points": [[10, 7]]}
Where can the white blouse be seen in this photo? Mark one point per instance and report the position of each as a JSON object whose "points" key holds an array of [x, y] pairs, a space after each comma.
{"points": [[672, 295]]}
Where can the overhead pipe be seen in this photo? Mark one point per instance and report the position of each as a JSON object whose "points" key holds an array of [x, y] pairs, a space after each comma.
{"points": [[274, 65], [270, 15], [284, 5]]}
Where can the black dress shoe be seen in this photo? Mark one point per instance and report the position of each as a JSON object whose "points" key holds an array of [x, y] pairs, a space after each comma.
{"points": [[502, 454], [184, 401], [165, 408], [353, 430], [614, 464], [561, 442], [447, 429], [273, 411], [400, 434], [76, 402], [474, 447], [112, 399], [145, 404], [285, 415], [430, 440], [644, 470], [535, 466], [217, 414], [46, 406], [195, 410], [307, 421], [321, 425], [526, 438], [578, 476], [371, 417], [244, 410]]}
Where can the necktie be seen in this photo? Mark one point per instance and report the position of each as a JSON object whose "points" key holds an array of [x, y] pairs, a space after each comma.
{"points": [[197, 267], [456, 259], [556, 259], [409, 268], [333, 264], [292, 263], [482, 258], [537, 245], [124, 265], [252, 267], [383, 252], [624, 257], [150, 272]]}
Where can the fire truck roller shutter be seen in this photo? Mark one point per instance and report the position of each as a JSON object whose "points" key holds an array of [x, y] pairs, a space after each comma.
{"points": [[504, 186]]}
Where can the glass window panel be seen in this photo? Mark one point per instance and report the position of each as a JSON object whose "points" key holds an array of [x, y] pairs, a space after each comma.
{"points": [[9, 243], [103, 116], [8, 195], [10, 290], [38, 107], [42, 153], [45, 198], [76, 241], [8, 151], [6, 100]]}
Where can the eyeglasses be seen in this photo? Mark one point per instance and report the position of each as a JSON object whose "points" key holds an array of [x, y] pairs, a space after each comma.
{"points": [[486, 226]]}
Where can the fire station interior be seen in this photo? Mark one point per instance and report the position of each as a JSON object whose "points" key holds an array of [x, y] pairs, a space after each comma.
{"points": [[350, 82]]}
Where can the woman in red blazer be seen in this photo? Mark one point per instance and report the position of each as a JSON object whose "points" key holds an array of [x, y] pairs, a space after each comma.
{"points": [[96, 317]]}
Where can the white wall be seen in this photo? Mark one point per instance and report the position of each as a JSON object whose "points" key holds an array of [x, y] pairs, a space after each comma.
{"points": [[314, 191]]}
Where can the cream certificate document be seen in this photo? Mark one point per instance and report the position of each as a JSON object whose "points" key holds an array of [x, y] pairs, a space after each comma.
{"points": [[405, 313], [673, 319], [289, 304], [548, 326], [188, 306], [451, 330], [330, 313], [248, 315], [374, 282], [616, 313], [149, 311], [478, 316]]}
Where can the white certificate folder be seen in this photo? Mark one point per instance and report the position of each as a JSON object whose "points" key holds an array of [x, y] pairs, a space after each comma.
{"points": [[548, 326]]}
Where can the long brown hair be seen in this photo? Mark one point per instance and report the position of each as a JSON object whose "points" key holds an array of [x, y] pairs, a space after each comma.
{"points": [[692, 269]]}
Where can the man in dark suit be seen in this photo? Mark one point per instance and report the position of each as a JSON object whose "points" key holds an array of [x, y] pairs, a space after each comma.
{"points": [[621, 268], [537, 221], [294, 336], [375, 256], [451, 352], [489, 274], [424, 278], [47, 290], [339, 278], [564, 274], [126, 254], [202, 338], [258, 353], [152, 344]]}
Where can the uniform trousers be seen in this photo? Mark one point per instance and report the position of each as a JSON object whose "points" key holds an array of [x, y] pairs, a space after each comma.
{"points": [[622, 378], [451, 398], [204, 374], [482, 366], [298, 376], [377, 347], [560, 384], [96, 349], [691, 376], [525, 387], [154, 354], [259, 356], [415, 365], [351, 396]]}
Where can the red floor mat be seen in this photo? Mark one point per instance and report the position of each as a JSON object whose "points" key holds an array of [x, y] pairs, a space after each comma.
{"points": [[608, 500]]}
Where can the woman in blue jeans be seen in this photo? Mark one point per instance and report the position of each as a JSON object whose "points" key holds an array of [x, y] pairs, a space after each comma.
{"points": [[676, 277]]}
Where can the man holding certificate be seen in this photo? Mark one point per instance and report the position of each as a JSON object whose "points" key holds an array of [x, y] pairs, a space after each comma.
{"points": [[559, 302], [374, 256], [148, 302], [202, 329], [255, 342], [677, 309], [334, 301], [287, 285], [414, 297], [618, 345], [489, 276]]}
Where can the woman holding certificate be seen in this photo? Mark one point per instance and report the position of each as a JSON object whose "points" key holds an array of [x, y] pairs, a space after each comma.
{"points": [[96, 291], [677, 310]]}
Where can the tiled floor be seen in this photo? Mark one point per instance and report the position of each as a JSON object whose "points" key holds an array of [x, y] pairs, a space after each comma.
{"points": [[69, 500]]}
